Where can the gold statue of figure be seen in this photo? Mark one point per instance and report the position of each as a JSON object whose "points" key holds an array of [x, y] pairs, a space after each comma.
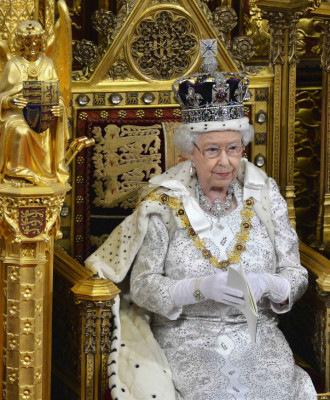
{"points": [[25, 154]]}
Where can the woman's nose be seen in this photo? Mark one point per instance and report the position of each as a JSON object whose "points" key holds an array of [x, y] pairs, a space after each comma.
{"points": [[223, 158]]}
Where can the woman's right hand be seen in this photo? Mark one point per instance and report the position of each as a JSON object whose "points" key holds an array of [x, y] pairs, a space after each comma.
{"points": [[214, 287]]}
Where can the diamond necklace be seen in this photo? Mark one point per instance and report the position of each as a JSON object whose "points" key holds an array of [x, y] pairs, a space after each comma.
{"points": [[217, 209]]}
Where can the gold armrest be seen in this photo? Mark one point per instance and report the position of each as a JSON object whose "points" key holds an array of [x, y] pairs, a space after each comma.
{"points": [[95, 297]]}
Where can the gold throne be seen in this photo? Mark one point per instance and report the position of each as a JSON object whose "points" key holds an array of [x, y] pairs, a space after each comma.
{"points": [[126, 57]]}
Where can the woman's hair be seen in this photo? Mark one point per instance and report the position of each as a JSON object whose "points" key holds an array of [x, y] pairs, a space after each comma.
{"points": [[185, 137]]}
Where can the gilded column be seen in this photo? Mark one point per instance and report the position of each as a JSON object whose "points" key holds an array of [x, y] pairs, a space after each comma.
{"points": [[283, 19], [29, 222], [323, 223]]}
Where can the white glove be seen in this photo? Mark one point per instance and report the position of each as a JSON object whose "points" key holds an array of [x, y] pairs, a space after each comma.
{"points": [[275, 287], [259, 285], [212, 287]]}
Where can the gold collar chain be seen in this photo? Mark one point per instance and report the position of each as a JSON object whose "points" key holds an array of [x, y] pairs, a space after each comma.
{"points": [[242, 237]]}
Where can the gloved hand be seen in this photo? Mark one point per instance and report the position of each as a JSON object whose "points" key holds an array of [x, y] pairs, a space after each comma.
{"points": [[259, 285], [213, 287], [275, 287]]}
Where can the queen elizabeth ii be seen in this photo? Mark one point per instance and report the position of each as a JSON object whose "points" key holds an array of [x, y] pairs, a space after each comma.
{"points": [[211, 213]]}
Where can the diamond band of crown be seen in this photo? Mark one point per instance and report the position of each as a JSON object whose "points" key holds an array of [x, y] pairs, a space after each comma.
{"points": [[211, 95], [212, 114]]}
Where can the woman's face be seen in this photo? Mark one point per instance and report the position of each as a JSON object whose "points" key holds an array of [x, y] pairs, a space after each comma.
{"points": [[217, 172]]}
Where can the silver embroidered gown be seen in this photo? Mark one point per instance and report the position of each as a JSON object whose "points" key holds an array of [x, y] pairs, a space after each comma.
{"points": [[207, 344]]}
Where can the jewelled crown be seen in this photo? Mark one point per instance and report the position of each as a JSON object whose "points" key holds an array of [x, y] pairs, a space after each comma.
{"points": [[211, 95]]}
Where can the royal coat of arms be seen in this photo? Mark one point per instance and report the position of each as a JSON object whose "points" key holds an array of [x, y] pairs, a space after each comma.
{"points": [[41, 97], [32, 220]]}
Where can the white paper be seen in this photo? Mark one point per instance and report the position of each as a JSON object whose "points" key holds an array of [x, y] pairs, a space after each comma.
{"points": [[238, 280]]}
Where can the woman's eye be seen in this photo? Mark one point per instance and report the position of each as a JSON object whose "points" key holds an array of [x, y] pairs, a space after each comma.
{"points": [[212, 149], [232, 148]]}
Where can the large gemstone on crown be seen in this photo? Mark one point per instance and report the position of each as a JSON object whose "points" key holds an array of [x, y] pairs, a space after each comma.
{"points": [[220, 96], [206, 115]]}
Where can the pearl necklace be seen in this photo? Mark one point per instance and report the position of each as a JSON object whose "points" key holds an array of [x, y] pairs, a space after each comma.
{"points": [[217, 209]]}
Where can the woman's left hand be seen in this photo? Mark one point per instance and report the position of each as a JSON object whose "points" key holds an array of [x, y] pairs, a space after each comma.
{"points": [[275, 287], [258, 284]]}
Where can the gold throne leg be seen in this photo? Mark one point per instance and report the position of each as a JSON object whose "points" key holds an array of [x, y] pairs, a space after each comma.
{"points": [[28, 221]]}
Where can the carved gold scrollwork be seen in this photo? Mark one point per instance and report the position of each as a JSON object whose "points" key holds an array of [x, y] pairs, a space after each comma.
{"points": [[44, 213], [154, 2], [243, 47], [119, 70], [164, 45], [325, 56], [307, 161], [90, 328], [281, 23], [225, 18], [124, 158], [105, 327], [257, 28], [307, 30]]}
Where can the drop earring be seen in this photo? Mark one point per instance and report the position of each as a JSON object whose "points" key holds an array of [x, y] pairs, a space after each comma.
{"points": [[192, 169]]}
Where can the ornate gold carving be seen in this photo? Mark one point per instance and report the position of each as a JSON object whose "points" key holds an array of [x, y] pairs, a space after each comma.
{"points": [[243, 47], [277, 122], [306, 30], [307, 161], [119, 70], [154, 2], [95, 296], [86, 53], [325, 56], [90, 328], [280, 23], [257, 28], [109, 27], [24, 291], [164, 45], [123, 158], [28, 250], [132, 98], [225, 19], [13, 206], [123, 14], [104, 22], [291, 124], [11, 14]]}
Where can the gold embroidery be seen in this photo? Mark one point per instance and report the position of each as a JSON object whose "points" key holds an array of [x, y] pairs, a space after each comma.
{"points": [[242, 237]]}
